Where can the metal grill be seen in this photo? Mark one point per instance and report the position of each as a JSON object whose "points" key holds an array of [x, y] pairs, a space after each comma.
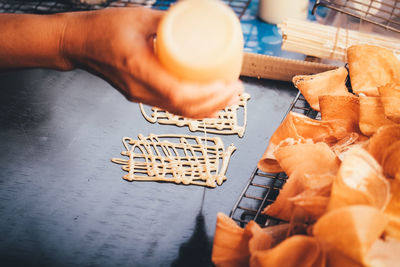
{"points": [[262, 188], [384, 13], [49, 7]]}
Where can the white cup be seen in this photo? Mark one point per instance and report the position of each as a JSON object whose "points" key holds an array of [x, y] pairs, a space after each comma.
{"points": [[275, 11]]}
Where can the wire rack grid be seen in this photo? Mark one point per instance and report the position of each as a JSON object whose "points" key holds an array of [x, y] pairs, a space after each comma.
{"points": [[49, 7], [383, 13], [263, 188]]}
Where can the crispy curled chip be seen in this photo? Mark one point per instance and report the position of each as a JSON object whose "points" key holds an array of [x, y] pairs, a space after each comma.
{"points": [[332, 82], [345, 108], [230, 247], [298, 127], [371, 67], [390, 98], [309, 167], [282, 208], [382, 139], [316, 185], [313, 201], [307, 159], [372, 115], [335, 258], [260, 239], [391, 160], [297, 250], [233, 245], [350, 230], [277, 232], [269, 165], [359, 181], [341, 147], [383, 253], [393, 209]]}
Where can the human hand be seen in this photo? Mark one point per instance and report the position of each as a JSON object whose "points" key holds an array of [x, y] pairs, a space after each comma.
{"points": [[117, 45]]}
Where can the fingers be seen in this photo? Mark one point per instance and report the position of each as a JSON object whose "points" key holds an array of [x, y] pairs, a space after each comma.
{"points": [[201, 101], [209, 108], [125, 60], [191, 100], [179, 97], [152, 84]]}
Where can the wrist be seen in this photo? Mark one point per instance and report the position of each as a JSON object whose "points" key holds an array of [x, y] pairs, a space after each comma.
{"points": [[72, 40], [32, 41]]}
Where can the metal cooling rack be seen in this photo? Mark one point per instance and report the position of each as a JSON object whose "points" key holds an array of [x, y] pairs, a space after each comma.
{"points": [[49, 7], [383, 13], [262, 188]]}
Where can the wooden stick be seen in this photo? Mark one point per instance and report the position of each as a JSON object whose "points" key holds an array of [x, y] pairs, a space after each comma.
{"points": [[276, 68]]}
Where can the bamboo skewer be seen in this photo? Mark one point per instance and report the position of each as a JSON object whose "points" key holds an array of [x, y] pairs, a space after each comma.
{"points": [[328, 42]]}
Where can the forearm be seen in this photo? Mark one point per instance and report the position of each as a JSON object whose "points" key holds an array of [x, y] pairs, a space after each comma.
{"points": [[28, 41]]}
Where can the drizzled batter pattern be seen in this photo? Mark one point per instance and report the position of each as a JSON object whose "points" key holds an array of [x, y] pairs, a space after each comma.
{"points": [[176, 158], [226, 123]]}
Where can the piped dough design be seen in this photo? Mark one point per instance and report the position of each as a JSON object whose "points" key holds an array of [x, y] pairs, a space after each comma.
{"points": [[227, 121], [176, 158]]}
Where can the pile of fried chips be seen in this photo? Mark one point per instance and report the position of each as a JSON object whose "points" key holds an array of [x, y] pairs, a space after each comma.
{"points": [[343, 186]]}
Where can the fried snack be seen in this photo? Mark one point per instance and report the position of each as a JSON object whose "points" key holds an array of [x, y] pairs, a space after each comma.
{"points": [[307, 159], [268, 164], [309, 167], [260, 239], [391, 160], [384, 145], [382, 139], [230, 247], [335, 258], [371, 67], [372, 115], [332, 82], [317, 185], [390, 97], [233, 245], [297, 250], [282, 208], [353, 140], [314, 201], [383, 253], [393, 210], [298, 127], [359, 181], [345, 108], [350, 231], [277, 232]]}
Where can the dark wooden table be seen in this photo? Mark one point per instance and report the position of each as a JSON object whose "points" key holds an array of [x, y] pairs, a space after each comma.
{"points": [[63, 202]]}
